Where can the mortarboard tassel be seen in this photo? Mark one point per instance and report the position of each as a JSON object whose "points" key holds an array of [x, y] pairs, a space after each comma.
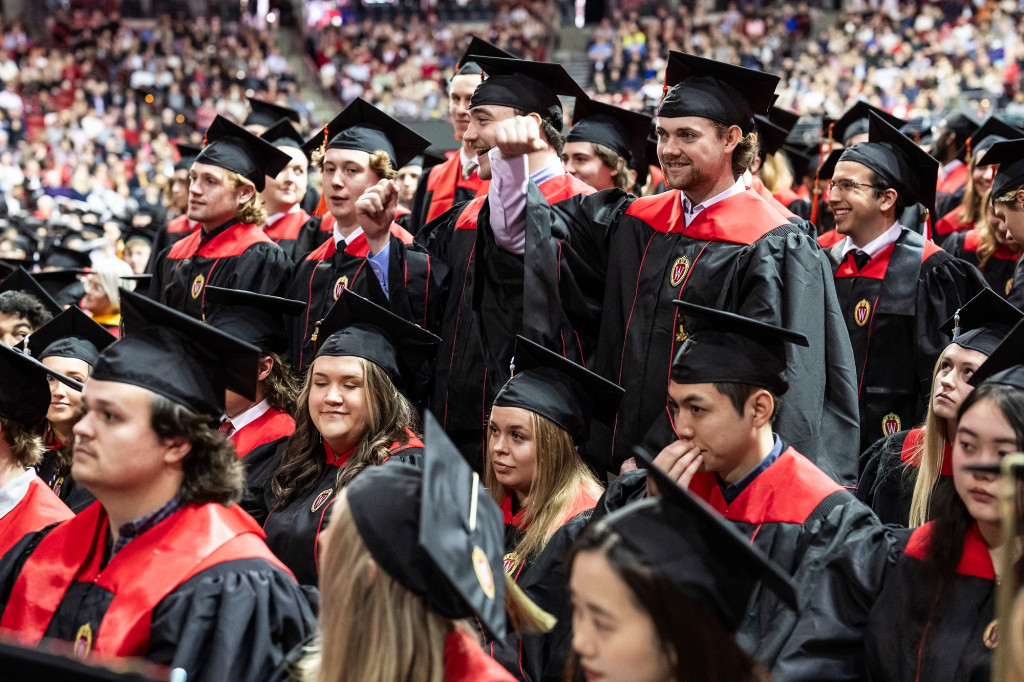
{"points": [[956, 324], [969, 147], [321, 206]]}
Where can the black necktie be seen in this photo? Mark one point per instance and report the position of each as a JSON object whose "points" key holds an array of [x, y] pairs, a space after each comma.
{"points": [[861, 259]]}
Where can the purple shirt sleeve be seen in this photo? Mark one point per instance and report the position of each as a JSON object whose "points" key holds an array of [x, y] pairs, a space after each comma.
{"points": [[507, 199]]}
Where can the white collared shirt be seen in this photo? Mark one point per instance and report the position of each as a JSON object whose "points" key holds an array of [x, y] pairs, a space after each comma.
{"points": [[239, 422], [338, 239], [690, 211], [271, 220], [14, 492], [876, 245]]}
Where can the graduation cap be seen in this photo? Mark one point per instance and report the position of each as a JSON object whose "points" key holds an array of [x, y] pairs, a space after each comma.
{"points": [[440, 535], [784, 118], [255, 318], [803, 161], [828, 166], [142, 281], [234, 148], [267, 113], [467, 65], [729, 348], [988, 133], [721, 92], [364, 127], [1005, 364], [533, 87], [72, 334], [918, 129], [187, 154], [357, 327], [1010, 157], [554, 387], [687, 543], [22, 663], [142, 234], [856, 121], [904, 166], [178, 357], [9, 265], [770, 137], [283, 134], [982, 323], [621, 130], [20, 280], [62, 257], [961, 124], [55, 281], [25, 390]]}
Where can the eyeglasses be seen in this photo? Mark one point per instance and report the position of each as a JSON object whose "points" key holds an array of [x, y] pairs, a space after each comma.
{"points": [[845, 185]]}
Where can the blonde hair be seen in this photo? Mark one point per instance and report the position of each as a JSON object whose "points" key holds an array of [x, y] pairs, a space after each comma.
{"points": [[616, 164], [1009, 197], [929, 458], [987, 243], [251, 212], [559, 474], [775, 173], [380, 163], [26, 447], [109, 271], [974, 204], [372, 629]]}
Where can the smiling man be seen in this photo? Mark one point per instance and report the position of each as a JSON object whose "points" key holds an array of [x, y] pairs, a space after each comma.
{"points": [[165, 566], [285, 191], [895, 288], [229, 249]]}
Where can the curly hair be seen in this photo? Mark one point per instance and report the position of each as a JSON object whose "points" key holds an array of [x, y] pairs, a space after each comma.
{"points": [[281, 386], [380, 163], [20, 304], [212, 470], [26, 446], [251, 212], [745, 152]]}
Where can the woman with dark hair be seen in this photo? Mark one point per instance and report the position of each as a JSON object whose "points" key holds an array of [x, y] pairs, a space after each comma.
{"points": [[70, 344], [901, 473], [350, 415], [934, 618], [545, 489]]}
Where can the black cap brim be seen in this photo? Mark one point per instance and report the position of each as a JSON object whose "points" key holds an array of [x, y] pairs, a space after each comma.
{"points": [[621, 130], [267, 113], [1010, 157], [364, 127], [234, 148], [20, 280], [860, 112], [70, 334]]}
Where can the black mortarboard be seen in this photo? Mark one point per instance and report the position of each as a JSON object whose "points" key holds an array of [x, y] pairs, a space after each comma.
{"points": [[142, 282], [366, 128], [686, 542], [533, 87], [267, 113], [803, 161], [547, 384], [467, 65], [918, 129], [255, 318], [357, 327], [1010, 157], [55, 281], [25, 391], [721, 92], [828, 166], [770, 136], [982, 322], [283, 134], [988, 133], [139, 234], [72, 334], [440, 535], [783, 118], [187, 154], [961, 124], [621, 130], [729, 348], [21, 663], [65, 258], [904, 166], [234, 148], [855, 121], [9, 265], [20, 280], [178, 357], [1005, 364]]}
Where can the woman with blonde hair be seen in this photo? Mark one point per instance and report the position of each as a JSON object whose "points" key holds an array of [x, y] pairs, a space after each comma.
{"points": [[350, 415], [102, 299], [901, 473], [545, 489], [988, 247]]}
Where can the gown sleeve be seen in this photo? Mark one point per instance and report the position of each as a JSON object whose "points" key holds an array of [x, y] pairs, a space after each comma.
{"points": [[259, 467], [234, 621], [1016, 296]]}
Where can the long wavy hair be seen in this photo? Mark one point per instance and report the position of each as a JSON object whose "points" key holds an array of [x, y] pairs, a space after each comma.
{"points": [[389, 418], [692, 638], [974, 203], [559, 474], [281, 386], [929, 457], [251, 212]]}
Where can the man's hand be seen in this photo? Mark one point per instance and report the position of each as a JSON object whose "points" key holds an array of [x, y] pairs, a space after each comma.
{"points": [[517, 136], [680, 461], [375, 211]]}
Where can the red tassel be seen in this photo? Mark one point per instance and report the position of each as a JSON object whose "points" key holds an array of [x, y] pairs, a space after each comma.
{"points": [[204, 137], [969, 147], [321, 207]]}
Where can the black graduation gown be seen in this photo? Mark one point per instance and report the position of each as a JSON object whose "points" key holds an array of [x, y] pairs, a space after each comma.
{"points": [[312, 235], [623, 262], [236, 619], [485, 305], [175, 230], [293, 530], [999, 267], [414, 280], [889, 473], [893, 309], [62, 483], [955, 648], [286, 230], [441, 188], [233, 256]]}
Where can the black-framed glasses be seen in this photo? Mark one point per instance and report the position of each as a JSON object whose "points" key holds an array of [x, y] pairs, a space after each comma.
{"points": [[846, 185]]}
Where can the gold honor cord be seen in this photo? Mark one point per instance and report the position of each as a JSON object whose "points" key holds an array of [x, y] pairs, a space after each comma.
{"points": [[1010, 648]]}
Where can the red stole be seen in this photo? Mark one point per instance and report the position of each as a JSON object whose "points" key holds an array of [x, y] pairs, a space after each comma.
{"points": [[830, 239], [181, 224], [558, 188], [444, 179], [910, 454], [762, 191], [1002, 252], [956, 179], [358, 247], [145, 571], [465, 661], [975, 560], [877, 266], [581, 502], [786, 492], [740, 219], [38, 509], [270, 425], [231, 242], [952, 222], [287, 227]]}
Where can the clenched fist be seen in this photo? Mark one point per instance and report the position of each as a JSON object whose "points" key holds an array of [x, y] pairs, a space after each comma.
{"points": [[517, 136], [375, 211]]}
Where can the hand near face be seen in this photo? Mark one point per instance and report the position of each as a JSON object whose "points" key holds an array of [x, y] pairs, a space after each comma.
{"points": [[517, 136], [680, 460], [375, 209]]}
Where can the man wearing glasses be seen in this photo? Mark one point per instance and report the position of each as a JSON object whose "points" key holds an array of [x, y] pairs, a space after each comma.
{"points": [[895, 288]]}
